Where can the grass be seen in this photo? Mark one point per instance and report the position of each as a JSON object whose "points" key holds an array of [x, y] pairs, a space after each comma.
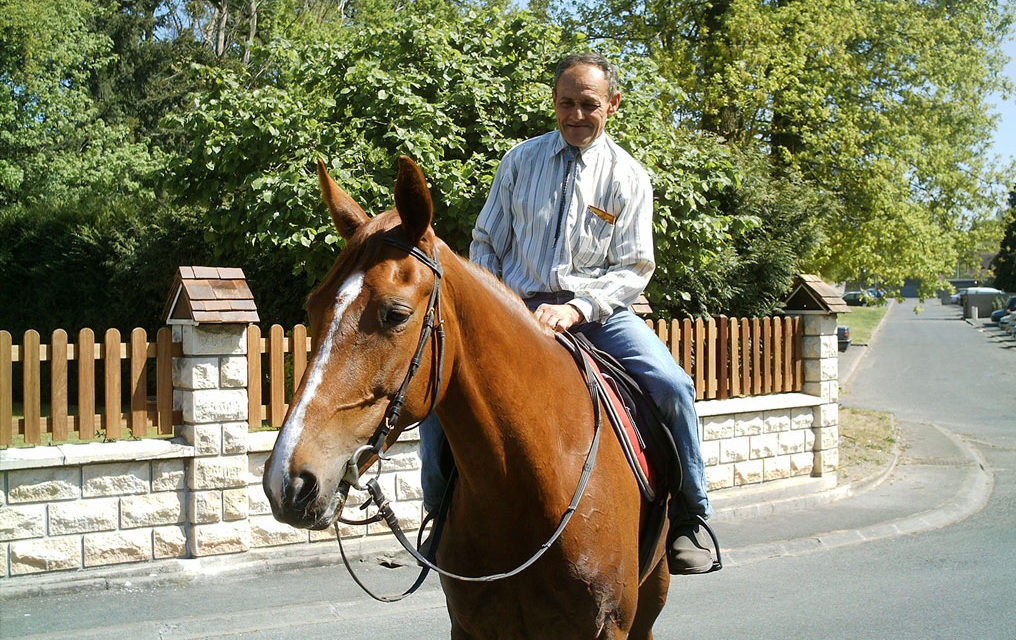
{"points": [[862, 322], [868, 442], [18, 441]]}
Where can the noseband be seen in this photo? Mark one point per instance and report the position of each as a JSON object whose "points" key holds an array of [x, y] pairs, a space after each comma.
{"points": [[431, 325]]}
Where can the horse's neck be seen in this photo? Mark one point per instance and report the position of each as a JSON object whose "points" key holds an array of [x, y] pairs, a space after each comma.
{"points": [[514, 398]]}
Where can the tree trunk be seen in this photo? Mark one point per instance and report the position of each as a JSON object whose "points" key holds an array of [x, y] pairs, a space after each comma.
{"points": [[251, 32]]}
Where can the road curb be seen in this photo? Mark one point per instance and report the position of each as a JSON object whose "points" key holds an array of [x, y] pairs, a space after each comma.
{"points": [[970, 498]]}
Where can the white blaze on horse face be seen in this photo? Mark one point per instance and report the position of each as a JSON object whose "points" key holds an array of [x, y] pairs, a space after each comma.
{"points": [[293, 428]]}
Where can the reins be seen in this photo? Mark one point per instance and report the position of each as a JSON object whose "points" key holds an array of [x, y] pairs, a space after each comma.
{"points": [[432, 325]]}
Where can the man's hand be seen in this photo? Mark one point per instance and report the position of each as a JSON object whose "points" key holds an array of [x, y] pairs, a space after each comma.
{"points": [[559, 317]]}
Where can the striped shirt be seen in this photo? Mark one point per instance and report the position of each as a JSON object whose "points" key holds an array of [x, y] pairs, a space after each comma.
{"points": [[560, 219]]}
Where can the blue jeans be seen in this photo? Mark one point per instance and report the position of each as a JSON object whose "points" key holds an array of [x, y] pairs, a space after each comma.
{"points": [[626, 337]]}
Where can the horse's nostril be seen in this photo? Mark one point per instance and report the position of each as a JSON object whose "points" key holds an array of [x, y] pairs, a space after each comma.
{"points": [[303, 490]]}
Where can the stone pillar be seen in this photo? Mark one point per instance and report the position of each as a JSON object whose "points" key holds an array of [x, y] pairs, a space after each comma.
{"points": [[210, 387], [821, 379]]}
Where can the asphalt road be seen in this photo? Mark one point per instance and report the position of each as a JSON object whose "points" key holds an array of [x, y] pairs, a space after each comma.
{"points": [[914, 557]]}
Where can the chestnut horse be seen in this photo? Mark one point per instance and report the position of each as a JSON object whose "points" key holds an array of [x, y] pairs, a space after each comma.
{"points": [[517, 414]]}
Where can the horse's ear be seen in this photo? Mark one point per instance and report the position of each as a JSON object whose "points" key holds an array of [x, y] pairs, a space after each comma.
{"points": [[346, 214], [412, 200]]}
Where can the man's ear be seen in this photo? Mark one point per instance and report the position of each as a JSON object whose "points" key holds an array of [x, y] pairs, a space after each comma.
{"points": [[412, 200], [614, 103], [347, 216]]}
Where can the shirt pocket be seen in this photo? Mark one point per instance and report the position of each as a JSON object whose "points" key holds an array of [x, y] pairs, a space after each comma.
{"points": [[592, 242]]}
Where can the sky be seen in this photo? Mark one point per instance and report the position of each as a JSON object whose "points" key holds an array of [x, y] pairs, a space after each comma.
{"points": [[1005, 134]]}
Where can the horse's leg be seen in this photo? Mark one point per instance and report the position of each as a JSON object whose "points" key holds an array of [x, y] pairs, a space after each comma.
{"points": [[652, 597]]}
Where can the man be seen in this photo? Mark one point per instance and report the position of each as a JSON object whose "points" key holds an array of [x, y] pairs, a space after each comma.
{"points": [[568, 227]]}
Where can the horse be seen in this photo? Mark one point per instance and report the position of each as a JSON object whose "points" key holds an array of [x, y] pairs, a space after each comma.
{"points": [[517, 414]]}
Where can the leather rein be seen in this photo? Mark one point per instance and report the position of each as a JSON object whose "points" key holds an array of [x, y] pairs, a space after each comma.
{"points": [[432, 327]]}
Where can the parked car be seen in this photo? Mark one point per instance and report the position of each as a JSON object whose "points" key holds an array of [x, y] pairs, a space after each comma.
{"points": [[955, 298], [843, 337], [857, 298], [1008, 307], [1006, 322]]}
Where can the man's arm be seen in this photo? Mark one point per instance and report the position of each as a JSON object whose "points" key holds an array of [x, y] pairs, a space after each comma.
{"points": [[492, 231]]}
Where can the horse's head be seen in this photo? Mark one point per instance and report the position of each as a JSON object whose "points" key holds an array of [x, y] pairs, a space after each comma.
{"points": [[367, 319]]}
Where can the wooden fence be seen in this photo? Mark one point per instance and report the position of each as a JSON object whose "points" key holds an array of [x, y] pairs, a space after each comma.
{"points": [[726, 357], [139, 414]]}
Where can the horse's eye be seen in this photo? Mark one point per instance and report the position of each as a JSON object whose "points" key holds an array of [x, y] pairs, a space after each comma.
{"points": [[395, 316]]}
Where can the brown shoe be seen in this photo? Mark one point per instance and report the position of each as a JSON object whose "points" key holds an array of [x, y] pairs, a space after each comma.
{"points": [[688, 549]]}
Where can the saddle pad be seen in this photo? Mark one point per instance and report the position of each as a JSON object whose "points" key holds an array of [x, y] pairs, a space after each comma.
{"points": [[626, 429]]}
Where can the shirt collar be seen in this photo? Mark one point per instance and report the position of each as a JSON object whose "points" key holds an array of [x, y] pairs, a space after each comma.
{"points": [[560, 146]]}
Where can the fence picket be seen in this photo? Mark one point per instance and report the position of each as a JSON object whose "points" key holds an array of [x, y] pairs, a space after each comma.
{"points": [[111, 371], [164, 380], [767, 355], [723, 358], [733, 328], [798, 363], [277, 377], [86, 384], [254, 350], [788, 343], [58, 385], [30, 356], [687, 337], [139, 383], [699, 362], [6, 390], [299, 349], [777, 355]]}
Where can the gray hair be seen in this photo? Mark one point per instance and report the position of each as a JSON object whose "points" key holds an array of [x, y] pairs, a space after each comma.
{"points": [[593, 59]]}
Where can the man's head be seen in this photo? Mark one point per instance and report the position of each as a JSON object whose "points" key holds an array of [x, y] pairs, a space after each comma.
{"points": [[585, 95]]}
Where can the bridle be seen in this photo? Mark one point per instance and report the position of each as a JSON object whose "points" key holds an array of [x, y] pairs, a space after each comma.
{"points": [[351, 478], [431, 325]]}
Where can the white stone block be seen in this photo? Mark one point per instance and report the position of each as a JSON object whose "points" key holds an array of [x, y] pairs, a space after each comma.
{"points": [[402, 462], [205, 507], [809, 439], [269, 532], [791, 442], [20, 522], [3, 559], [710, 450], [735, 449], [257, 501], [828, 391], [84, 516], [801, 464], [118, 479], [43, 485], [205, 438], [765, 445], [819, 325], [234, 438], [168, 475], [717, 428], [228, 472], [169, 542], [256, 467], [748, 472], [223, 537], [776, 421], [826, 438], [51, 554], [118, 547], [408, 514], [719, 477], [830, 368], [215, 405], [826, 461], [748, 424], [776, 468], [234, 504], [802, 418], [233, 372], [152, 510], [196, 373], [824, 346], [214, 340], [407, 487], [828, 415]]}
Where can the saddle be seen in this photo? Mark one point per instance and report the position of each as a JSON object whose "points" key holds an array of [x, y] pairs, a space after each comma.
{"points": [[647, 444]]}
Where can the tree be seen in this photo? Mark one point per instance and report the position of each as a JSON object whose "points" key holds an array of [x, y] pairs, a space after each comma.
{"points": [[456, 97], [881, 105], [1004, 262]]}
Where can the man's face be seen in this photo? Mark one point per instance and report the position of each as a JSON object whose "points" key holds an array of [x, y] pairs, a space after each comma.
{"points": [[582, 104]]}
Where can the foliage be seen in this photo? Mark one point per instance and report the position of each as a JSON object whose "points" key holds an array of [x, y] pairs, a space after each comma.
{"points": [[1004, 263], [455, 97], [882, 105]]}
